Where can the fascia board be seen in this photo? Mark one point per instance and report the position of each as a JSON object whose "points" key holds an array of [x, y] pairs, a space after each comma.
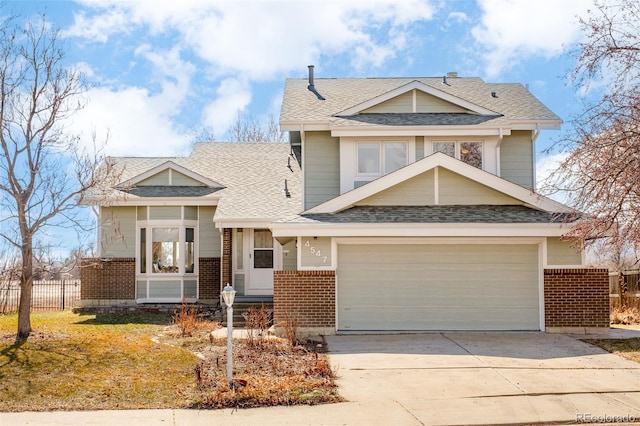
{"points": [[364, 131], [312, 126], [536, 124], [292, 229], [348, 199], [422, 87], [170, 165], [242, 223], [161, 201]]}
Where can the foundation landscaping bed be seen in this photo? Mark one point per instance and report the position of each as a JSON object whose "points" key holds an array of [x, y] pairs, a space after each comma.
{"points": [[139, 361]]}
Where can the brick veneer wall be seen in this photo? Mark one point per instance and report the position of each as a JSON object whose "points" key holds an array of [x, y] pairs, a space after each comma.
{"points": [[226, 256], [209, 278], [109, 279], [308, 296], [576, 298]]}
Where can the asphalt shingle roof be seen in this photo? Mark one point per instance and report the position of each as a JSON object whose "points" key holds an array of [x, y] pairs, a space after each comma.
{"points": [[170, 191], [512, 100], [434, 214], [252, 176]]}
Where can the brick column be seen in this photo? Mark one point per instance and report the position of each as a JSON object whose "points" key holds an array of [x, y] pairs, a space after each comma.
{"points": [[576, 300], [209, 278], [226, 256], [307, 297]]}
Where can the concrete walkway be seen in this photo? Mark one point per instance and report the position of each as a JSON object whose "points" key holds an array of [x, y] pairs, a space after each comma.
{"points": [[433, 379]]}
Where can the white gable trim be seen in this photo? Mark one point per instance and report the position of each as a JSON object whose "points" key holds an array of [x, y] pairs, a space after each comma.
{"points": [[439, 159], [170, 165], [422, 87], [408, 230]]}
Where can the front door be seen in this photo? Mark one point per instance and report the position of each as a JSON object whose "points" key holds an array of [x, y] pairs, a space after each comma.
{"points": [[261, 259]]}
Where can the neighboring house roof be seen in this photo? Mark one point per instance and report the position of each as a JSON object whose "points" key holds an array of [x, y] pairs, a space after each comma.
{"points": [[246, 179], [508, 105]]}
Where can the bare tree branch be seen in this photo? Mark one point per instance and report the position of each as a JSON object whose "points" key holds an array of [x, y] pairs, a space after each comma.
{"points": [[44, 171]]}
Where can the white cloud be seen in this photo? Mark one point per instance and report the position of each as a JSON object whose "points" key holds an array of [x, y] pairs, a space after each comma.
{"points": [[545, 166], [136, 122], [262, 39], [232, 97], [512, 29]]}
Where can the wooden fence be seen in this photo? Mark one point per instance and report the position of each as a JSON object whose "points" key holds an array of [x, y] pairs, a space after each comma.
{"points": [[624, 288], [50, 295]]}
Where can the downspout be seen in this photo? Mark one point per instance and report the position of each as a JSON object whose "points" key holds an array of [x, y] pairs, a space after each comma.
{"points": [[498, 159], [536, 133], [302, 166]]}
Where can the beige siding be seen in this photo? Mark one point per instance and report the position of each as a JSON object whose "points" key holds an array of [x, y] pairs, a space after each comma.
{"points": [[429, 103], [165, 213], [290, 256], [118, 231], [424, 103], [209, 234], [516, 158], [178, 179], [562, 252], [419, 148], [402, 103], [438, 287], [454, 189], [417, 191], [315, 252], [321, 167], [159, 179]]}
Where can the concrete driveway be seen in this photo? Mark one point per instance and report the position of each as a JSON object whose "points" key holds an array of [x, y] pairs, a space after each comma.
{"points": [[484, 378]]}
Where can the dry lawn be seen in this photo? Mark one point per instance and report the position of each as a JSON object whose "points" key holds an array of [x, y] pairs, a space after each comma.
{"points": [[89, 362], [267, 371], [627, 348]]}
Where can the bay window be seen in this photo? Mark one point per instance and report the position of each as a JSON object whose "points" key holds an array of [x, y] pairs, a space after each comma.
{"points": [[167, 254]]}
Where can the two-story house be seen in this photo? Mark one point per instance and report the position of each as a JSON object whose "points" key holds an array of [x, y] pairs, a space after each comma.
{"points": [[400, 204]]}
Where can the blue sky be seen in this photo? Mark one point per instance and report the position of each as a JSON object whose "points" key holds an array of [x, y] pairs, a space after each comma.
{"points": [[163, 72]]}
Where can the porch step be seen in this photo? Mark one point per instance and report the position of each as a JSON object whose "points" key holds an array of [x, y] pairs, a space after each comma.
{"points": [[240, 308]]}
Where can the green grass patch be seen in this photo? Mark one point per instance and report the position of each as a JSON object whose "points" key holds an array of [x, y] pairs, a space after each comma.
{"points": [[627, 348]]}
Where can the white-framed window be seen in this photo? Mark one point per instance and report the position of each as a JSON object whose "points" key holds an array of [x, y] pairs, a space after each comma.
{"points": [[380, 158], [469, 152], [167, 261]]}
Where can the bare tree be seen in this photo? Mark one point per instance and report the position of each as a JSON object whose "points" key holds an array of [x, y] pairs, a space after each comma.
{"points": [[44, 172], [601, 173], [247, 128]]}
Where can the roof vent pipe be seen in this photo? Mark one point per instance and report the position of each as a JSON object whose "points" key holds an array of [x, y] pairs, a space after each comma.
{"points": [[312, 87]]}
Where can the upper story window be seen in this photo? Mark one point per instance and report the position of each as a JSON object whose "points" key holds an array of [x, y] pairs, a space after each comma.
{"points": [[468, 152], [378, 158]]}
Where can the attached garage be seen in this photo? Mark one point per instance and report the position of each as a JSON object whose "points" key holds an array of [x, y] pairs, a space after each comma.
{"points": [[438, 287]]}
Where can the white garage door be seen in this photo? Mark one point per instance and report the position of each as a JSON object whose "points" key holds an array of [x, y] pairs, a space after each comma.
{"points": [[438, 287]]}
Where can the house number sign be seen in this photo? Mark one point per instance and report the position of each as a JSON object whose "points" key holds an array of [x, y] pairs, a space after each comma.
{"points": [[316, 252]]}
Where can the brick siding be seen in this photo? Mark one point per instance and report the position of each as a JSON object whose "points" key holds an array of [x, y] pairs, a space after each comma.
{"points": [[308, 296], [109, 279], [115, 279], [209, 278], [576, 297], [226, 256]]}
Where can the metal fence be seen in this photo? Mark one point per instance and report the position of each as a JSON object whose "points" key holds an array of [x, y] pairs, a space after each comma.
{"points": [[49, 295], [624, 288]]}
